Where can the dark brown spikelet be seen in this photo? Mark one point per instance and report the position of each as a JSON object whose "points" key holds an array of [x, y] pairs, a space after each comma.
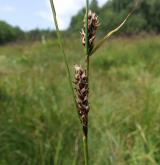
{"points": [[93, 23], [81, 92]]}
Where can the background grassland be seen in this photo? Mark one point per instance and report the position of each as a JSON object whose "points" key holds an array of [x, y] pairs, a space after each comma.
{"points": [[38, 122]]}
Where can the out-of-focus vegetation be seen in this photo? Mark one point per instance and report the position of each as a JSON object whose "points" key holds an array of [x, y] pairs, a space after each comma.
{"points": [[39, 124], [9, 33], [39, 34], [146, 19]]}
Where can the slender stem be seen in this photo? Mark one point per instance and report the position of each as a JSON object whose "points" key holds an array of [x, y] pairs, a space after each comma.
{"points": [[85, 144], [87, 63], [62, 49], [85, 128], [86, 28]]}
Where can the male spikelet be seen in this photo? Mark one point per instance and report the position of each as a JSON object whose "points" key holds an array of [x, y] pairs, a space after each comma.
{"points": [[81, 92], [93, 23]]}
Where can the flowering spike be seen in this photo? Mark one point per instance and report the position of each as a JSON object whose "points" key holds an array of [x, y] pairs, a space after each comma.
{"points": [[81, 92], [93, 23]]}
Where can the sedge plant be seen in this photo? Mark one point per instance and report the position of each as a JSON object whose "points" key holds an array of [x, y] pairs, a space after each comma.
{"points": [[80, 88]]}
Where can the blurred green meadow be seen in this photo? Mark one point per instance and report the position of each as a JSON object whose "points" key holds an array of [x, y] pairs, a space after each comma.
{"points": [[38, 121]]}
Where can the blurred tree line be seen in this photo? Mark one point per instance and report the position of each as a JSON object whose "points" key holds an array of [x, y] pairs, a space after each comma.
{"points": [[145, 19], [9, 33]]}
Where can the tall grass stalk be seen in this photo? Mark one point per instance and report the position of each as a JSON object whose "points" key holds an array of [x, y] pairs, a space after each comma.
{"points": [[81, 94], [85, 128], [60, 41]]}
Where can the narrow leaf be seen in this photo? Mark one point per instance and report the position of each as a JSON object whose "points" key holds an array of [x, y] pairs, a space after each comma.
{"points": [[86, 28], [101, 42], [62, 48]]}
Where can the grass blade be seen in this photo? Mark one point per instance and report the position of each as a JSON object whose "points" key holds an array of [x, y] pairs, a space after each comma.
{"points": [[85, 129], [86, 28], [60, 41], [101, 42], [58, 150]]}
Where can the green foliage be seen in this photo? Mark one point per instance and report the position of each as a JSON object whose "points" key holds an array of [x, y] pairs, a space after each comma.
{"points": [[94, 6], [9, 33], [38, 34], [152, 14], [77, 21], [146, 18], [38, 123], [135, 25]]}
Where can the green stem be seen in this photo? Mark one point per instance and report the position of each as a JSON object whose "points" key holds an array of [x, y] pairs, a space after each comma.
{"points": [[85, 128], [87, 39], [85, 144], [86, 28], [62, 49], [87, 63]]}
